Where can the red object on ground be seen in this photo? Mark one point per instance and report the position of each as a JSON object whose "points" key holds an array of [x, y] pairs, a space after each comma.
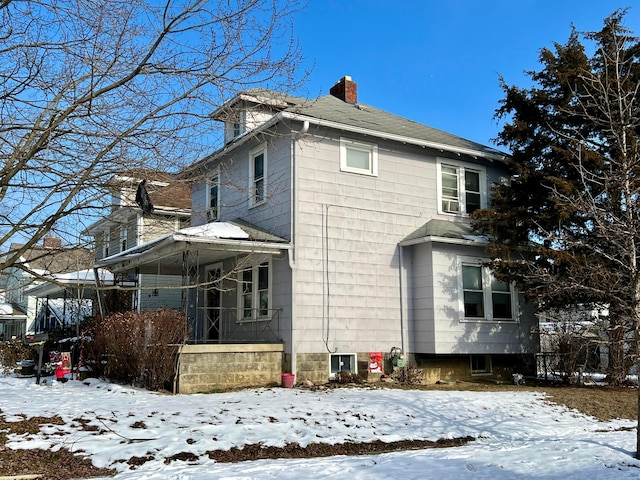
{"points": [[288, 380], [59, 372]]}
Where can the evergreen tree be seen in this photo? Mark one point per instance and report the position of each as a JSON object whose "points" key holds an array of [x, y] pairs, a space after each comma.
{"points": [[566, 228]]}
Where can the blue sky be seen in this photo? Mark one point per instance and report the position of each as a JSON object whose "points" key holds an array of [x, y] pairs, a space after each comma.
{"points": [[439, 62]]}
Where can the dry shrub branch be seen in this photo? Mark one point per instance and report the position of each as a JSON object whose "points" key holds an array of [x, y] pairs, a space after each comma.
{"points": [[135, 348]]}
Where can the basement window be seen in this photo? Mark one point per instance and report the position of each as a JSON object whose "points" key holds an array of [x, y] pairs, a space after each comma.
{"points": [[480, 364], [342, 362]]}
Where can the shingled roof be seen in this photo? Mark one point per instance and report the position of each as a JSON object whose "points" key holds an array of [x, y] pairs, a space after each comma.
{"points": [[333, 109], [56, 259], [342, 107]]}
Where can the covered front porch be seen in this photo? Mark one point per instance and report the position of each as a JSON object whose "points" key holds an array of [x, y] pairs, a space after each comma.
{"points": [[225, 272], [66, 300]]}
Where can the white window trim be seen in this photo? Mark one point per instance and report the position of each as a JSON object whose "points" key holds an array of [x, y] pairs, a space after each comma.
{"points": [[486, 293], [255, 298], [210, 217], [252, 196], [461, 187], [332, 375], [371, 148]]}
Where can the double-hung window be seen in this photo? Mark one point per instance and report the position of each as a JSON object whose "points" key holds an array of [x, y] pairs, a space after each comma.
{"points": [[258, 175], [235, 126], [484, 297], [462, 188], [106, 243], [123, 237], [254, 292], [358, 157], [213, 198]]}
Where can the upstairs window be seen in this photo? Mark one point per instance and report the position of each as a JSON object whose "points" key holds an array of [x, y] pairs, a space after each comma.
{"points": [[235, 126], [123, 238], [483, 296], [257, 175], [358, 157], [213, 198], [106, 244], [462, 189]]}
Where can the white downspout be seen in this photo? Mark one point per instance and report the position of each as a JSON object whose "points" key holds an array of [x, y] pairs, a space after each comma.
{"points": [[291, 253], [402, 288]]}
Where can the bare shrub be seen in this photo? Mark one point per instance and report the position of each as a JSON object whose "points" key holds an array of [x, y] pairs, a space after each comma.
{"points": [[409, 375], [135, 348], [11, 352]]}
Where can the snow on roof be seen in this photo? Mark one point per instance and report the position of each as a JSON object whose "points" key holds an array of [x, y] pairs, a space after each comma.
{"points": [[216, 230], [84, 276]]}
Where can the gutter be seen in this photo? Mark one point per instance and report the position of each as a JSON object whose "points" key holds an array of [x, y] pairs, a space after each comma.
{"points": [[398, 138]]}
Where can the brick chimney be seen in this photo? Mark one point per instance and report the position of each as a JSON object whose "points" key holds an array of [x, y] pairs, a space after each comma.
{"points": [[346, 90], [52, 242]]}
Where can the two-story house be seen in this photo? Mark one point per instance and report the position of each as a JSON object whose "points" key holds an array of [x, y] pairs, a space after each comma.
{"points": [[337, 230], [132, 222]]}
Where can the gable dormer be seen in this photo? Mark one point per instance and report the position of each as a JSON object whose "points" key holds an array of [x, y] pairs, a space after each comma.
{"points": [[249, 110]]}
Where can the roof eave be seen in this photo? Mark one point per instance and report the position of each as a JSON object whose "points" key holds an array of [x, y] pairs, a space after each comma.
{"points": [[437, 239], [398, 138]]}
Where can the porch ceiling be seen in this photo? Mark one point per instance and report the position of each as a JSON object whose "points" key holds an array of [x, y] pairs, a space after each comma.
{"points": [[207, 244]]}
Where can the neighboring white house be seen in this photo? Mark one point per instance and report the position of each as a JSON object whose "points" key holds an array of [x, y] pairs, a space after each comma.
{"points": [[127, 225], [339, 231], [37, 264]]}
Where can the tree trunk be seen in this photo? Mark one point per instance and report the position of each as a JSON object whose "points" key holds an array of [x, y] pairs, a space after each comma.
{"points": [[616, 373], [638, 424]]}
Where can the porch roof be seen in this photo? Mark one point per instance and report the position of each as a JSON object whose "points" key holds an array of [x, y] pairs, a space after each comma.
{"points": [[443, 231], [10, 311], [71, 283], [211, 242]]}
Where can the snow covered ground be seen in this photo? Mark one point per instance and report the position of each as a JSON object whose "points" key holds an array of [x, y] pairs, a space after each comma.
{"points": [[519, 435]]}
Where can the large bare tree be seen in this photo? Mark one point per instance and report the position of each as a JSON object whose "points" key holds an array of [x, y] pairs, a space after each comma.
{"points": [[89, 88]]}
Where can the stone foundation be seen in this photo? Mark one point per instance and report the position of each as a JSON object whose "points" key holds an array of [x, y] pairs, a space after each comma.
{"points": [[207, 368]]}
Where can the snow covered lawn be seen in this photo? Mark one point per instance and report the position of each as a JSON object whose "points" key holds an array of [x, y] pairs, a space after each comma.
{"points": [[518, 434]]}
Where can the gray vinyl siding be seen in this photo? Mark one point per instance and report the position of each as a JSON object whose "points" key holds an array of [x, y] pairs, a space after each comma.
{"points": [[438, 326], [347, 254], [274, 214], [347, 292], [421, 297]]}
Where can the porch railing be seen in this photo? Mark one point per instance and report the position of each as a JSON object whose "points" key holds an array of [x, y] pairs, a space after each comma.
{"points": [[223, 325]]}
